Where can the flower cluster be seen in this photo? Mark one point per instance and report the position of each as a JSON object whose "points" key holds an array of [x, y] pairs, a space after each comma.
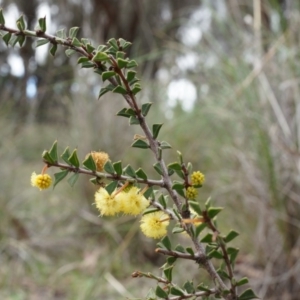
{"points": [[131, 202], [197, 178], [41, 181]]}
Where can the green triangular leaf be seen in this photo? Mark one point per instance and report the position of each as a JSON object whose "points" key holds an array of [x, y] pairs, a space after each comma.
{"points": [[73, 159], [53, 152], [122, 63], [230, 236], [166, 243], [213, 211], [89, 163], [72, 180], [247, 295], [59, 177], [2, 20], [41, 42], [47, 157], [69, 52], [140, 144], [118, 167], [100, 56], [155, 130], [168, 273], [196, 207], [6, 38], [141, 174], [109, 168], [119, 90], [111, 187], [158, 168], [42, 23], [130, 171], [242, 281], [73, 32], [145, 108], [159, 292], [108, 74], [53, 49], [176, 291], [65, 156]]}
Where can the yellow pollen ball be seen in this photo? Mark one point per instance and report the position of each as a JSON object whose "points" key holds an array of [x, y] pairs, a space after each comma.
{"points": [[154, 225], [41, 181], [197, 178], [107, 204], [191, 193]]}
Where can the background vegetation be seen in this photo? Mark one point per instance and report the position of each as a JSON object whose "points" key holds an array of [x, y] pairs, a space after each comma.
{"points": [[240, 58]]}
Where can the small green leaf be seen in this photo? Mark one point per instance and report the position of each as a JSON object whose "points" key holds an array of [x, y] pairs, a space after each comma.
{"points": [[108, 74], [149, 193], [213, 211], [89, 48], [123, 113], [232, 252], [168, 273], [72, 180], [59, 177], [177, 230], [133, 120], [190, 251], [171, 260], [118, 167], [150, 210], [230, 236], [155, 130], [179, 248], [53, 152], [140, 144], [119, 90], [202, 287], [176, 291], [158, 168], [73, 32], [124, 44], [132, 64], [175, 166], [199, 229], [165, 145], [162, 201], [130, 171], [21, 40], [207, 239], [69, 52], [61, 33], [189, 287], [109, 168], [120, 54], [41, 42], [105, 89], [242, 281], [65, 156], [113, 43], [215, 254], [130, 76], [42, 23], [141, 174], [208, 203], [89, 163], [159, 292], [177, 185], [111, 187], [166, 243], [21, 23], [82, 59], [2, 20], [248, 295], [87, 64], [223, 274], [196, 207], [145, 108], [47, 157], [73, 159], [53, 49], [122, 63], [76, 42], [6, 38], [85, 41], [136, 88], [100, 56]]}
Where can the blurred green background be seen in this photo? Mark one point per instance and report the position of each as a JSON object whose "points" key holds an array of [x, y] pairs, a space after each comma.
{"points": [[224, 77]]}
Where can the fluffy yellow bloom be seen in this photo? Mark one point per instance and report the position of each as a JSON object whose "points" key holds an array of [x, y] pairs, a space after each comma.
{"points": [[154, 225], [132, 201], [107, 204], [41, 181], [100, 159], [191, 193], [197, 178]]}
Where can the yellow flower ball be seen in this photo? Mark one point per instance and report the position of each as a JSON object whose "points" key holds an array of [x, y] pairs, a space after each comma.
{"points": [[154, 225], [197, 178], [41, 181], [107, 204], [132, 202], [191, 193]]}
